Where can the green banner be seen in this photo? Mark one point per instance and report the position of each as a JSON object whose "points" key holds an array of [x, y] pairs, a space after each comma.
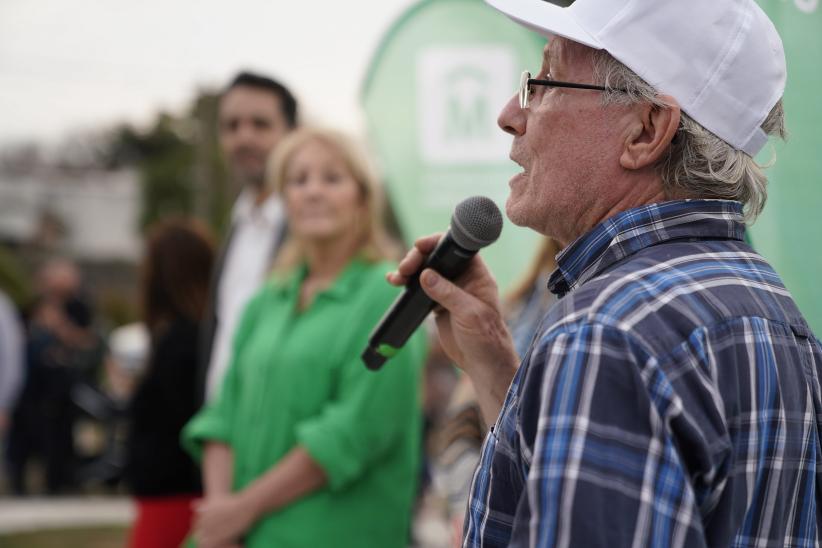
{"points": [[432, 95], [789, 232]]}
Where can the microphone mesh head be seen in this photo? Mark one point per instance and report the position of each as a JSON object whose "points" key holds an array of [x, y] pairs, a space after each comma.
{"points": [[476, 223]]}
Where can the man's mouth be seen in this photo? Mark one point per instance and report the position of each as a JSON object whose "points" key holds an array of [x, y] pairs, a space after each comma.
{"points": [[513, 159], [248, 154]]}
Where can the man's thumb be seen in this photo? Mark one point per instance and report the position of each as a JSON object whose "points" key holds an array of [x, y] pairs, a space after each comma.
{"points": [[445, 293]]}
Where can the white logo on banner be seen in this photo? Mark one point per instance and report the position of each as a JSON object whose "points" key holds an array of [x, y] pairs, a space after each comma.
{"points": [[805, 6], [808, 6], [460, 91]]}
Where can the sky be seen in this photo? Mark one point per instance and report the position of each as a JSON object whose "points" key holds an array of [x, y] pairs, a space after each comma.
{"points": [[71, 66]]}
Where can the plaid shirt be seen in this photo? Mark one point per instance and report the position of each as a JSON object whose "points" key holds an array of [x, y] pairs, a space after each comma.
{"points": [[670, 398]]}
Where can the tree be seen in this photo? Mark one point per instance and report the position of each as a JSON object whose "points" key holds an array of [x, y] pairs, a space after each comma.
{"points": [[181, 171]]}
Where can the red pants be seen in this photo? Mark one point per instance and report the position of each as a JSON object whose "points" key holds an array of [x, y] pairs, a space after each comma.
{"points": [[162, 522]]}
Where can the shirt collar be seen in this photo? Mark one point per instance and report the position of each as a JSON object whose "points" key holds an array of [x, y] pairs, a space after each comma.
{"points": [[635, 229], [288, 284], [245, 208]]}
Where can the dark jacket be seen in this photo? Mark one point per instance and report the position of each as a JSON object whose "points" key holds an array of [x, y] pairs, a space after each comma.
{"points": [[164, 401]]}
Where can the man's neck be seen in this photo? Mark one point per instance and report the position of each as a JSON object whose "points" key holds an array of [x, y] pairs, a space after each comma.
{"points": [[261, 196], [624, 195], [254, 195]]}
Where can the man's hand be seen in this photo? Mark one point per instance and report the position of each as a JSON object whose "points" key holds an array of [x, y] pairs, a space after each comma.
{"points": [[470, 323], [222, 521], [469, 318]]}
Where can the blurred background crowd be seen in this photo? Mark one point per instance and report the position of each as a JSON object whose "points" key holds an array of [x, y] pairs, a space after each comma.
{"points": [[173, 226]]}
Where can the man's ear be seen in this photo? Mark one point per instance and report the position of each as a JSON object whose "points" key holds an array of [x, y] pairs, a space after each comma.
{"points": [[654, 129]]}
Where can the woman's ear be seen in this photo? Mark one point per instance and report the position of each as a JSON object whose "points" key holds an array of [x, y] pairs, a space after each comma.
{"points": [[653, 130]]}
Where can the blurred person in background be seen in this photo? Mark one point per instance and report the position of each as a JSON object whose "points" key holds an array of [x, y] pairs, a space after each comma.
{"points": [[62, 349], [11, 362], [255, 113], [458, 439], [175, 280], [304, 446]]}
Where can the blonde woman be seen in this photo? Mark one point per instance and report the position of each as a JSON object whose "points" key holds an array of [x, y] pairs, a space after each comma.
{"points": [[304, 446]]}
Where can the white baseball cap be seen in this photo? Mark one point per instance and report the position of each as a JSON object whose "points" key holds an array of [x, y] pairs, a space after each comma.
{"points": [[722, 60]]}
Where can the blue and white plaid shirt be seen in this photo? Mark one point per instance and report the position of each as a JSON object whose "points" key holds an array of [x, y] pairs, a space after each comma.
{"points": [[670, 398]]}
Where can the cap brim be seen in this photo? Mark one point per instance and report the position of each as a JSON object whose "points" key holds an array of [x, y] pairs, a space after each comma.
{"points": [[546, 19]]}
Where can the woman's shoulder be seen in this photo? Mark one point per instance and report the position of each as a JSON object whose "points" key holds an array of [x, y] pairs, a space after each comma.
{"points": [[272, 289], [178, 330], [174, 348], [258, 306]]}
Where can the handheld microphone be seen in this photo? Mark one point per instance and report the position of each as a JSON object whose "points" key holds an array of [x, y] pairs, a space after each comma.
{"points": [[476, 223]]}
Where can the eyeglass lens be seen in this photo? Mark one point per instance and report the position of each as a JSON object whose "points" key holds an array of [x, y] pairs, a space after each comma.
{"points": [[523, 89]]}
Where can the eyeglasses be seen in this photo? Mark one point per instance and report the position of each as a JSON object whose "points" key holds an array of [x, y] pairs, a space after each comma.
{"points": [[525, 83]]}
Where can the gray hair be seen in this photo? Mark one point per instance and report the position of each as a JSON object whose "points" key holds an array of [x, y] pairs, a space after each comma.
{"points": [[698, 164]]}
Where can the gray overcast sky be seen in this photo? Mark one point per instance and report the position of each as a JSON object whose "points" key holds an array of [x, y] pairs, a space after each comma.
{"points": [[75, 65]]}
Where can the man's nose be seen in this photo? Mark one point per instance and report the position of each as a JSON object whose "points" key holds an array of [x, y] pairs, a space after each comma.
{"points": [[512, 119], [245, 133]]}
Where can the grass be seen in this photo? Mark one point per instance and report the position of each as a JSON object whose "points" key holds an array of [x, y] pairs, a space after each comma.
{"points": [[109, 537]]}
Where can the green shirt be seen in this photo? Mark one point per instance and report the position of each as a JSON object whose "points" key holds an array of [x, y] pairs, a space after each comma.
{"points": [[296, 378]]}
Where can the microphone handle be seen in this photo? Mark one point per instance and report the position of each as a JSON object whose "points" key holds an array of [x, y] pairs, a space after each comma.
{"points": [[449, 260]]}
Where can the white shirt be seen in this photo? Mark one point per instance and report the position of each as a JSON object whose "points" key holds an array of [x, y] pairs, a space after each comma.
{"points": [[246, 266], [11, 355]]}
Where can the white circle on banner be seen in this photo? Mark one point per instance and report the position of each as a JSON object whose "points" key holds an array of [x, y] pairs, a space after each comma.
{"points": [[808, 6]]}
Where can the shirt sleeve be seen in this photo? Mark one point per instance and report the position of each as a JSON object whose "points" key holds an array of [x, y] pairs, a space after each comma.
{"points": [[604, 470], [371, 413], [11, 356], [214, 422]]}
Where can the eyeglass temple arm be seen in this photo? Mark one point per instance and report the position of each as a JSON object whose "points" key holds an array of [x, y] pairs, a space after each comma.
{"points": [[571, 85]]}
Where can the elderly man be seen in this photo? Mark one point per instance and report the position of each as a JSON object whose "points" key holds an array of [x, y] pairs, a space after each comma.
{"points": [[671, 397]]}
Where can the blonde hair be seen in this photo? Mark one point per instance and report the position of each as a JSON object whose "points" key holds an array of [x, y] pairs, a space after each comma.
{"points": [[375, 244]]}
